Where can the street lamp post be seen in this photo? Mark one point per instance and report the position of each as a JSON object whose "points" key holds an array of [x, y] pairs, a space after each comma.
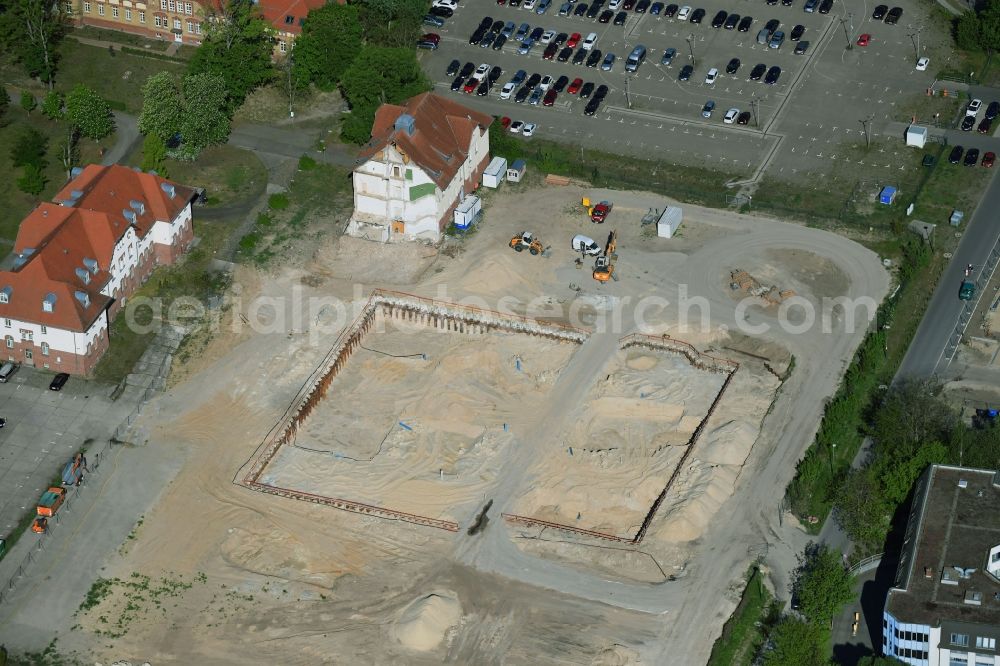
{"points": [[847, 35], [690, 41]]}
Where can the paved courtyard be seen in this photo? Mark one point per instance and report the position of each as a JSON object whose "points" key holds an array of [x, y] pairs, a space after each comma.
{"points": [[44, 429]]}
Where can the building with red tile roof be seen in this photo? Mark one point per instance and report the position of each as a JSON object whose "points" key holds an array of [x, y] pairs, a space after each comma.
{"points": [[78, 259], [424, 157]]}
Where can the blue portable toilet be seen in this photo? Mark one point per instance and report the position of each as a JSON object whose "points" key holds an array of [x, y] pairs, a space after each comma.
{"points": [[888, 195]]}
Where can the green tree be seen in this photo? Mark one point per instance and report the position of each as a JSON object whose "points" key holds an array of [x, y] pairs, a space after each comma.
{"points": [[29, 148], [32, 180], [237, 46], [795, 643], [205, 121], [822, 584], [154, 155], [4, 105], [392, 22], [967, 34], [32, 30], [193, 110], [28, 101], [862, 510], [89, 112], [162, 106], [379, 75], [52, 105], [69, 149], [330, 40]]}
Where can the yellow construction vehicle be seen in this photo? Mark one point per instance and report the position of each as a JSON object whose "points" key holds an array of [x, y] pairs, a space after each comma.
{"points": [[526, 241], [604, 267]]}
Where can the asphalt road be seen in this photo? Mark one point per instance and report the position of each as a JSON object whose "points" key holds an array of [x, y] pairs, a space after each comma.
{"points": [[929, 352]]}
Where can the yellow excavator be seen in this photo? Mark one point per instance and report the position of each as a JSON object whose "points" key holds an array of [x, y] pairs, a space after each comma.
{"points": [[604, 267], [526, 241]]}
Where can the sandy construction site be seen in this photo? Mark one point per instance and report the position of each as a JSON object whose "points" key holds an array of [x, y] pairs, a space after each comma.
{"points": [[621, 477]]}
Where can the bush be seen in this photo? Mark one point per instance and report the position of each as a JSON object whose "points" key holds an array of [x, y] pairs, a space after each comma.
{"points": [[32, 181], [306, 163], [249, 242], [278, 201], [29, 149], [52, 105], [28, 102]]}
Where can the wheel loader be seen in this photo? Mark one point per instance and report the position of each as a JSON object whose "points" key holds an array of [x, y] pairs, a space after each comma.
{"points": [[526, 241]]}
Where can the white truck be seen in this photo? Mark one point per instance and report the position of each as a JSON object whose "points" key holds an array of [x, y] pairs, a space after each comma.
{"points": [[585, 244]]}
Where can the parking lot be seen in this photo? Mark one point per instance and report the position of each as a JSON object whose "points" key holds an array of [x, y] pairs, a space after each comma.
{"points": [[44, 429], [810, 116]]}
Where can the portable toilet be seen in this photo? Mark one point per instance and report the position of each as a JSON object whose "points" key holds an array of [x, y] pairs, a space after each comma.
{"points": [[467, 211], [515, 172], [888, 195], [916, 136]]}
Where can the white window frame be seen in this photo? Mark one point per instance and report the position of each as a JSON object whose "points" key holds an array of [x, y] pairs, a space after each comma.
{"points": [[114, 11], [188, 9], [177, 26], [142, 16], [128, 14], [100, 9], [163, 5], [45, 329], [86, 7], [45, 349], [10, 341], [171, 6]]}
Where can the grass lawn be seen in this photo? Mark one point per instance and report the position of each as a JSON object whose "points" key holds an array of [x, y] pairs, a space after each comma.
{"points": [[15, 203], [743, 633], [229, 174], [118, 78]]}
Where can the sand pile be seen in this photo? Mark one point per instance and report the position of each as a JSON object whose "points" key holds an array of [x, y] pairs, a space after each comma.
{"points": [[424, 623]]}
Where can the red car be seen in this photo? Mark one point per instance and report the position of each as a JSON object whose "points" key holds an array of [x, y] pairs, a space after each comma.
{"points": [[505, 121], [574, 87], [550, 98], [470, 86], [988, 159], [574, 39], [550, 51], [431, 37], [864, 39], [501, 2]]}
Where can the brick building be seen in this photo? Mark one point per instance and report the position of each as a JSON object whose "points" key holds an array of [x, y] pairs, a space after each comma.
{"points": [[79, 258]]}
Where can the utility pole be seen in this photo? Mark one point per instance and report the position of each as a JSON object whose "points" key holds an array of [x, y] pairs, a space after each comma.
{"points": [[754, 102], [628, 97], [690, 41], [864, 126], [915, 39], [291, 88], [847, 35]]}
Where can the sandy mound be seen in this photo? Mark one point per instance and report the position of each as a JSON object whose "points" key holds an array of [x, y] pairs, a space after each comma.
{"points": [[616, 655], [425, 621]]}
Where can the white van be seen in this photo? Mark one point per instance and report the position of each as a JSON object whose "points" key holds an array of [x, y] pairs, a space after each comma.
{"points": [[585, 244]]}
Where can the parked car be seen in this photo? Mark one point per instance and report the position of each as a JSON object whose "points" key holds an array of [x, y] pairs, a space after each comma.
{"points": [[772, 75], [519, 77], [550, 52], [810, 6], [453, 68], [796, 33], [432, 20], [642, 6], [526, 46], [580, 10], [606, 16], [972, 157], [548, 37], [601, 92], [731, 116], [825, 6], [595, 9], [457, 84], [656, 9], [712, 75], [697, 16], [743, 118], [565, 8], [668, 56], [757, 72], [802, 47], [580, 56], [973, 108], [706, 111], [484, 88], [589, 42], [545, 83], [58, 381], [609, 62], [587, 90], [968, 123], [955, 156], [516, 127], [985, 126], [745, 24], [732, 22], [685, 73], [684, 13], [467, 70], [777, 39], [499, 42], [529, 129], [864, 40], [989, 158], [536, 97], [573, 40], [733, 66], [508, 90], [992, 110], [522, 32], [470, 85], [443, 12], [670, 10], [719, 19], [879, 13], [565, 54], [575, 86], [893, 16], [592, 106], [550, 98], [922, 64], [594, 59], [621, 18], [522, 94]]}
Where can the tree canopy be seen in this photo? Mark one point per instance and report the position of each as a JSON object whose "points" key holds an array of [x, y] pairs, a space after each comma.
{"points": [[31, 31], [187, 115], [330, 40], [379, 75], [795, 643], [822, 585], [979, 29], [89, 112], [237, 45]]}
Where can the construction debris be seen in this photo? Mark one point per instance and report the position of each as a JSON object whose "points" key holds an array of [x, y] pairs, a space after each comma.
{"points": [[740, 280]]}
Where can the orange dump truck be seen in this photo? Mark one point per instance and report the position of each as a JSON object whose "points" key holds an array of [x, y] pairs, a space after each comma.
{"points": [[51, 501]]}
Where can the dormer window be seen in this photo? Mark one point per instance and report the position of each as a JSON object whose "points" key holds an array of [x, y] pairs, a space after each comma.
{"points": [[83, 297], [289, 20], [5, 294], [49, 302], [83, 275], [91, 265]]}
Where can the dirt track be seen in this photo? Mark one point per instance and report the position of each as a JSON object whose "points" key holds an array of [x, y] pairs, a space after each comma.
{"points": [[326, 582]]}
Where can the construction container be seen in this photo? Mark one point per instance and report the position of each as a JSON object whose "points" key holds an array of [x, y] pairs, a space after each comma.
{"points": [[495, 172], [916, 136], [515, 172], [669, 222], [467, 211], [888, 195]]}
